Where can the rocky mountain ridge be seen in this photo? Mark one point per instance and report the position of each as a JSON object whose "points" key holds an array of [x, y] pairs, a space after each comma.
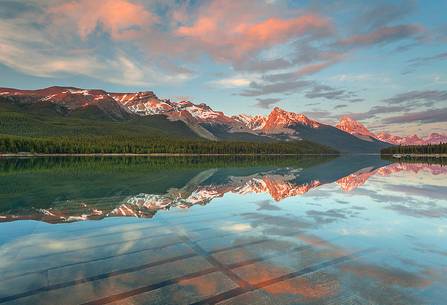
{"points": [[209, 123], [359, 130]]}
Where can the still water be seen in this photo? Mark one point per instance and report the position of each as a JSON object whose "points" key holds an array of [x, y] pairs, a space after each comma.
{"points": [[348, 230]]}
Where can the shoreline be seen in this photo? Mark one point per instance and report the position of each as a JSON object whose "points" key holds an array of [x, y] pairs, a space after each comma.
{"points": [[395, 156], [6, 155], [403, 156]]}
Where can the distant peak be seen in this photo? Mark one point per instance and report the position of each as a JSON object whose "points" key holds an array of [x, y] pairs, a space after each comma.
{"points": [[279, 110], [352, 126], [347, 118]]}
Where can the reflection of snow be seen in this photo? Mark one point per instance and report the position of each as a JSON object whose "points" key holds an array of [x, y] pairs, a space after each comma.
{"points": [[279, 184], [354, 180]]}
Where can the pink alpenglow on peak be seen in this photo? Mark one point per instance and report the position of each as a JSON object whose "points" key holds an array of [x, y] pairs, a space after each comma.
{"points": [[278, 121], [354, 127], [281, 118], [434, 138], [146, 103], [349, 125]]}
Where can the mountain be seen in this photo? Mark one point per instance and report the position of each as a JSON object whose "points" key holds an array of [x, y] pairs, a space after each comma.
{"points": [[355, 128], [138, 111], [433, 138], [349, 125], [281, 124]]}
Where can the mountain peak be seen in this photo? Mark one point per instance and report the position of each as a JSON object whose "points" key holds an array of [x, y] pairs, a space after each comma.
{"points": [[278, 109], [280, 118], [277, 123], [352, 126]]}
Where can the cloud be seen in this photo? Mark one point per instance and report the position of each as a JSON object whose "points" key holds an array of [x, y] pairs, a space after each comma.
{"points": [[307, 61], [231, 36], [353, 77], [424, 60], [383, 35], [312, 104], [420, 61], [418, 96], [399, 103], [313, 68], [384, 13], [232, 82], [340, 106], [156, 37], [318, 114], [15, 41], [12, 9], [122, 19], [262, 65], [266, 102], [330, 93], [39, 45], [287, 87], [386, 109], [428, 116], [305, 53]]}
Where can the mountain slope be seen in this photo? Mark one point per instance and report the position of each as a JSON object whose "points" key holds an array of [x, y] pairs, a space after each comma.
{"points": [[349, 125], [339, 140], [62, 110], [355, 128], [48, 120]]}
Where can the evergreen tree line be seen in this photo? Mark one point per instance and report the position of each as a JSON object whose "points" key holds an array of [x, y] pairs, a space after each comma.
{"points": [[147, 145], [440, 148]]}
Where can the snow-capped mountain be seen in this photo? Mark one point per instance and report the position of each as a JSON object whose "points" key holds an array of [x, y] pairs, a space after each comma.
{"points": [[277, 121], [142, 103], [68, 99], [206, 122], [349, 125], [355, 128], [433, 138], [147, 103]]}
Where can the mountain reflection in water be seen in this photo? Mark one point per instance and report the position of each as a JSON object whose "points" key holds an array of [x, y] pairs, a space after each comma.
{"points": [[198, 187], [346, 230]]}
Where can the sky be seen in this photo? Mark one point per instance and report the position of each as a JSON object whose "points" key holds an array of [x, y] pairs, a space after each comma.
{"points": [[383, 63]]}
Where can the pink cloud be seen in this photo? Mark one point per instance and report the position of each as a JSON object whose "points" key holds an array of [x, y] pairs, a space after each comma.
{"points": [[314, 68], [229, 30], [122, 19]]}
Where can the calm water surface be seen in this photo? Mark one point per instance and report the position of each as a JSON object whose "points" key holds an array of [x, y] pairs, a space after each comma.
{"points": [[349, 230]]}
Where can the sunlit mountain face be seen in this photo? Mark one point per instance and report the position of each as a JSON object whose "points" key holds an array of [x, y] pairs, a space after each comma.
{"points": [[198, 187], [357, 129], [230, 230], [203, 120]]}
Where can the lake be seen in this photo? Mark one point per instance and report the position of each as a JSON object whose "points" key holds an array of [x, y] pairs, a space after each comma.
{"points": [[184, 230]]}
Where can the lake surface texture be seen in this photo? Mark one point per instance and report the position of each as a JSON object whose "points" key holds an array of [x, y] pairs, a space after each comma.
{"points": [[346, 230]]}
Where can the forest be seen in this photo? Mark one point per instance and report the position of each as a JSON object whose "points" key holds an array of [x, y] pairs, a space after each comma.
{"points": [[150, 145], [416, 149]]}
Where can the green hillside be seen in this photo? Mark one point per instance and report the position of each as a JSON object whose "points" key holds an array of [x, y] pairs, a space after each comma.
{"points": [[49, 128], [339, 140], [52, 121]]}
